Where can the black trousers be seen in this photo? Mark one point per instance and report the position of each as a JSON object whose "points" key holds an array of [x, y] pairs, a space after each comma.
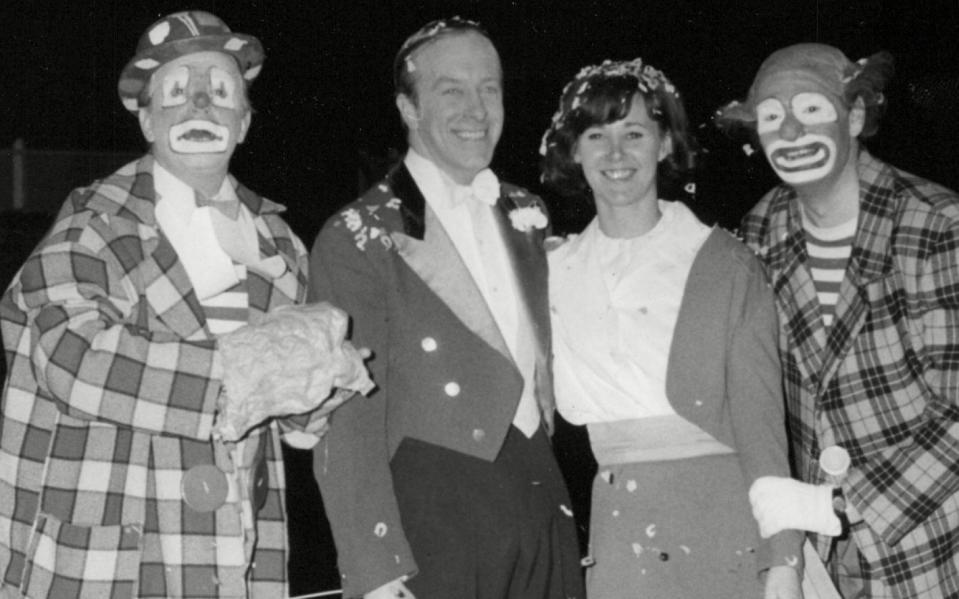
{"points": [[488, 530]]}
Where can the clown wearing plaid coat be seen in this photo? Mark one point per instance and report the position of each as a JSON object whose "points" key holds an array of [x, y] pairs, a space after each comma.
{"points": [[110, 484], [875, 369]]}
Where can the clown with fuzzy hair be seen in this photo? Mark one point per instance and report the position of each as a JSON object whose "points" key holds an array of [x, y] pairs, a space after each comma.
{"points": [[863, 260]]}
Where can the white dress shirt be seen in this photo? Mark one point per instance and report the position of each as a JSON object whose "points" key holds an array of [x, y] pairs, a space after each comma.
{"points": [[472, 227]]}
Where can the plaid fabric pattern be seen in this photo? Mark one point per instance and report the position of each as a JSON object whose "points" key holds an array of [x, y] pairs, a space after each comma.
{"points": [[111, 390], [882, 381]]}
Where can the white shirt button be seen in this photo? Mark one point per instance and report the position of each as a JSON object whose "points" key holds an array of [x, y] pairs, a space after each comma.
{"points": [[478, 434], [452, 389], [428, 344]]}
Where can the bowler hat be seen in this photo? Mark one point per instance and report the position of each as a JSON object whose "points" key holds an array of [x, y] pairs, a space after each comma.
{"points": [[184, 33]]}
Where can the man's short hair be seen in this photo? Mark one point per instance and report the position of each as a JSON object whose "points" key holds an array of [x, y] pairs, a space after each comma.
{"points": [[403, 69]]}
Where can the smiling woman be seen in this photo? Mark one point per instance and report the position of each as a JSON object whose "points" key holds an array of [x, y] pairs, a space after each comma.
{"points": [[664, 347]]}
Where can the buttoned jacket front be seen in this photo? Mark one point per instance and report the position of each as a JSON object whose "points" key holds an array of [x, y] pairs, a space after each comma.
{"points": [[442, 370], [883, 380], [111, 394]]}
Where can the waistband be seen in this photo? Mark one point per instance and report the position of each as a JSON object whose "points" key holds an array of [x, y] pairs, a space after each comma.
{"points": [[652, 439]]}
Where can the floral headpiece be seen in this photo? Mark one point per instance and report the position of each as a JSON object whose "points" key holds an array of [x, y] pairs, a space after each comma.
{"points": [[648, 79]]}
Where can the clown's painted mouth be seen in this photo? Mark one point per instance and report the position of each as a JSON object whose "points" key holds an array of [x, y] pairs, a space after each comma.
{"points": [[199, 135], [810, 156]]}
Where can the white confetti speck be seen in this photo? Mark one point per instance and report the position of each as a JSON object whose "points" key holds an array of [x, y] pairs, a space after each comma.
{"points": [[566, 510], [606, 475], [685, 549], [631, 486], [637, 549], [615, 513], [792, 561], [748, 149], [234, 44], [651, 531]]}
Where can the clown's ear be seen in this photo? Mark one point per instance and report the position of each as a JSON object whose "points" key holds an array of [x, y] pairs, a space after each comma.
{"points": [[146, 124], [857, 117]]}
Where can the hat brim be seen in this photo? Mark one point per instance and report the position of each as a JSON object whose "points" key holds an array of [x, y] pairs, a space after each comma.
{"points": [[245, 49]]}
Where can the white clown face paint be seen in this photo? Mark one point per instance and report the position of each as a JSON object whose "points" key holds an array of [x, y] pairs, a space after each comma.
{"points": [[197, 113], [173, 87], [199, 136], [223, 85], [797, 140], [805, 133]]}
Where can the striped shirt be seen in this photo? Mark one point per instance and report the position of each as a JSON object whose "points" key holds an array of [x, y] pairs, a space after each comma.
{"points": [[829, 250]]}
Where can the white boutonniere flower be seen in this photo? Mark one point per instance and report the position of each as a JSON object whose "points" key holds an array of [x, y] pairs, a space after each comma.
{"points": [[527, 218]]}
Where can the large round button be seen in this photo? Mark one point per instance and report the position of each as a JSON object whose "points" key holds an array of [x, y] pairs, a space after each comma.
{"points": [[479, 434], [428, 344], [452, 389], [204, 487]]}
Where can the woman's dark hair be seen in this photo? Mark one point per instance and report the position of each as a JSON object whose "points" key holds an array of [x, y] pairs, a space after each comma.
{"points": [[602, 94]]}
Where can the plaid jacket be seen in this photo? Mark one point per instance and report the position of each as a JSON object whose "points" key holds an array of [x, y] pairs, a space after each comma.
{"points": [[882, 382], [110, 397]]}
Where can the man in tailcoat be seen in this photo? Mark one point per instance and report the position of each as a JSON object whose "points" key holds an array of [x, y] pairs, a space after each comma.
{"points": [[443, 483]]}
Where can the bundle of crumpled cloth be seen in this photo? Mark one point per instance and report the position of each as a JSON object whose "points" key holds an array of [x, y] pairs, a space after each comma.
{"points": [[295, 360]]}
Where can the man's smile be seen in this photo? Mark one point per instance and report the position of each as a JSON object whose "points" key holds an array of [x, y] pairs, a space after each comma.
{"points": [[618, 174]]}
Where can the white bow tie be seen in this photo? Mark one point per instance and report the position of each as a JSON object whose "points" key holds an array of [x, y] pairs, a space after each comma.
{"points": [[485, 188]]}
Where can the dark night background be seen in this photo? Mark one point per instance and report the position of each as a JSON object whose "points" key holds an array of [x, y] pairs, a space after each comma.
{"points": [[325, 122]]}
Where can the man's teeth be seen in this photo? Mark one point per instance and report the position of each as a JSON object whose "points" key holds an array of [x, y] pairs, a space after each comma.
{"points": [[471, 135], [618, 174]]}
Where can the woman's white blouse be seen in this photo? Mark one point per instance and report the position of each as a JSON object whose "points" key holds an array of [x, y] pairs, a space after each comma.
{"points": [[613, 305]]}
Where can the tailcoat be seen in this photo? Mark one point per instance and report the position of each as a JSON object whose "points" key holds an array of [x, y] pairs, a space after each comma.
{"points": [[443, 372]]}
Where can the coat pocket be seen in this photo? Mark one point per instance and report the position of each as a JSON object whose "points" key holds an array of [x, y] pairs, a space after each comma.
{"points": [[70, 560]]}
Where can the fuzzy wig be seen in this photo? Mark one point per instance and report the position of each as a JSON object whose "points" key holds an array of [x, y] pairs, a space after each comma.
{"points": [[601, 94], [829, 69]]}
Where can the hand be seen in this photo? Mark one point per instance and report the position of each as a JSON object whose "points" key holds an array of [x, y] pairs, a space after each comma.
{"points": [[395, 589], [782, 582], [781, 503]]}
